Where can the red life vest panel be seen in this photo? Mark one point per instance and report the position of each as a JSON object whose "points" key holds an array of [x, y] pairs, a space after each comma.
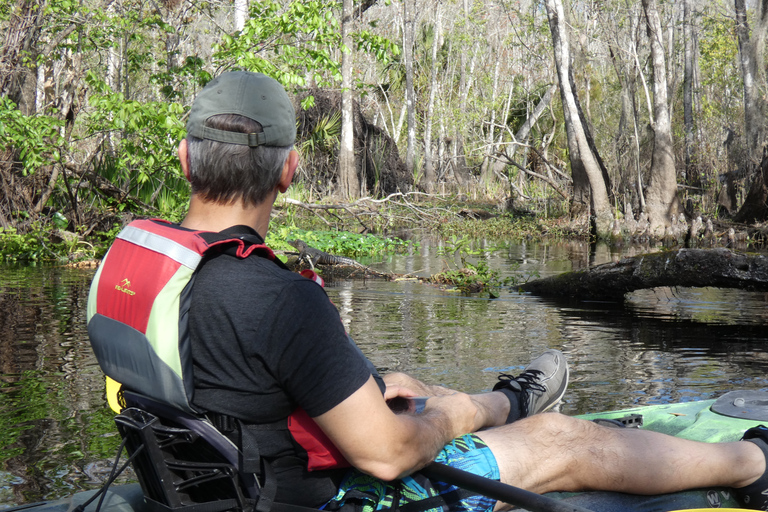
{"points": [[138, 310]]}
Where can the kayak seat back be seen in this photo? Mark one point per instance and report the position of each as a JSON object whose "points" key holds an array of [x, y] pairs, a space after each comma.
{"points": [[183, 463]]}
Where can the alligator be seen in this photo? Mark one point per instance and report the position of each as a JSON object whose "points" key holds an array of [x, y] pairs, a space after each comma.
{"points": [[315, 256]]}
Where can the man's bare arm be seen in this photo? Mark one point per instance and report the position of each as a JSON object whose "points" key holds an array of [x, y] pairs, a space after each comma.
{"points": [[388, 445]]}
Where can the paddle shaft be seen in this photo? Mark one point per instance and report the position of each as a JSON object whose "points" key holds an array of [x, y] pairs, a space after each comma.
{"points": [[497, 490]]}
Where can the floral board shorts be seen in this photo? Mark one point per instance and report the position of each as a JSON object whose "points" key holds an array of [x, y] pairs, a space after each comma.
{"points": [[416, 493]]}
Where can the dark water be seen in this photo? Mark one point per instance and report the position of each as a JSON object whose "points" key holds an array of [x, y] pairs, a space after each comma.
{"points": [[663, 345]]}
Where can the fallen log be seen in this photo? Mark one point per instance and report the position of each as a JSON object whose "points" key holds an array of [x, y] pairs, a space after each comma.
{"points": [[719, 268]]}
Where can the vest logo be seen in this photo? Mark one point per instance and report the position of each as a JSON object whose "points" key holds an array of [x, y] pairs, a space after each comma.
{"points": [[124, 287]]}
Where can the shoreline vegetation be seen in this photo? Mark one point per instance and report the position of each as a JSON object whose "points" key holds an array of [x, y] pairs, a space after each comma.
{"points": [[370, 227]]}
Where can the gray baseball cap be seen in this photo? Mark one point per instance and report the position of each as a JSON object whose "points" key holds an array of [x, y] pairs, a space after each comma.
{"points": [[253, 95]]}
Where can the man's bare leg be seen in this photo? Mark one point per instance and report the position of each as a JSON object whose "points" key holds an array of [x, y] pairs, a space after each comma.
{"points": [[552, 452]]}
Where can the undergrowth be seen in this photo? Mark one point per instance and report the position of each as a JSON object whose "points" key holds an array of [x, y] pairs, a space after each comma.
{"points": [[336, 242], [43, 245]]}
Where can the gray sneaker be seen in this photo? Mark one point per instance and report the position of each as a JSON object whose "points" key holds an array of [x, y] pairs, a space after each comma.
{"points": [[541, 385]]}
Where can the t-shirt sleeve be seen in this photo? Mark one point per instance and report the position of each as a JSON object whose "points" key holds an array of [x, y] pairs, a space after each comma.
{"points": [[318, 365]]}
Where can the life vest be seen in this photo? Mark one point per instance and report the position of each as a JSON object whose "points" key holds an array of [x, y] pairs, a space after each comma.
{"points": [[137, 316]]}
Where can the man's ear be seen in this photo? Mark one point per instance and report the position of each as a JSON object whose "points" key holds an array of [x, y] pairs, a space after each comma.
{"points": [[184, 157], [289, 169]]}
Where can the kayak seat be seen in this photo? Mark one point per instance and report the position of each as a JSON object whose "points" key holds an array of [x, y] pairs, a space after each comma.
{"points": [[185, 464], [182, 462]]}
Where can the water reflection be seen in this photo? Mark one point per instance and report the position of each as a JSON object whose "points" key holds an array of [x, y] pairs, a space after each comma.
{"points": [[701, 305], [51, 414], [664, 345]]}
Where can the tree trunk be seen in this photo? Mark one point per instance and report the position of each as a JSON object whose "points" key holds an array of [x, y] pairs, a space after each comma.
{"points": [[17, 79], [626, 141], [661, 195], [348, 181], [68, 105], [748, 55], [588, 136], [588, 182], [410, 94], [688, 89], [429, 178], [241, 14], [487, 177], [724, 269], [459, 161], [754, 208]]}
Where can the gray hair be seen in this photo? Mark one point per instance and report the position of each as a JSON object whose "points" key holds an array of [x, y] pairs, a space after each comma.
{"points": [[223, 173]]}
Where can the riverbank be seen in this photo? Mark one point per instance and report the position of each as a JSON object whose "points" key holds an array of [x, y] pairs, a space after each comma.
{"points": [[365, 228], [373, 226]]}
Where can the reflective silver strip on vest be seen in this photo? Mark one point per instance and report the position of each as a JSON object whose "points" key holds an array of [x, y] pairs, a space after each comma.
{"points": [[162, 245]]}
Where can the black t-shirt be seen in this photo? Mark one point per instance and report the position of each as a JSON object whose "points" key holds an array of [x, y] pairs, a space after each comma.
{"points": [[264, 342]]}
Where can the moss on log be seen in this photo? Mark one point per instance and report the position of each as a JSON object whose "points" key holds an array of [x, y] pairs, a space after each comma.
{"points": [[719, 268]]}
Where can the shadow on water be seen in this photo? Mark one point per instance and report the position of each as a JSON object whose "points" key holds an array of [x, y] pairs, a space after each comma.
{"points": [[57, 436]]}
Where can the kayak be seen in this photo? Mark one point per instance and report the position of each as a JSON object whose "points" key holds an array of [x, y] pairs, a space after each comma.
{"points": [[724, 419]]}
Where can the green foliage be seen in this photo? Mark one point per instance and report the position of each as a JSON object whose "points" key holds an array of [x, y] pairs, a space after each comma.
{"points": [[38, 245], [468, 277], [5, 10], [36, 137], [381, 48], [472, 278], [287, 42], [145, 137], [298, 42], [21, 247], [719, 49], [174, 80], [325, 134], [340, 243], [718, 46]]}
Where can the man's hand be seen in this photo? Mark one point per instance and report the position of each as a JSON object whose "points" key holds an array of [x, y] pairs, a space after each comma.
{"points": [[493, 407], [401, 381]]}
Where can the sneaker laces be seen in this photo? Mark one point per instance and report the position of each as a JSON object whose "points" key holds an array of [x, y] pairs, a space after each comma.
{"points": [[526, 382]]}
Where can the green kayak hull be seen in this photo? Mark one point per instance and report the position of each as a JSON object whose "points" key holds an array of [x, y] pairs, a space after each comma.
{"points": [[713, 421]]}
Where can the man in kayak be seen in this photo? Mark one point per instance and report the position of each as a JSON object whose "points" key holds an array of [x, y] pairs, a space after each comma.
{"points": [[270, 356]]}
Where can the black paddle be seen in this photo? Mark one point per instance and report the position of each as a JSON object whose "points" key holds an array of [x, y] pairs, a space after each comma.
{"points": [[497, 490]]}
